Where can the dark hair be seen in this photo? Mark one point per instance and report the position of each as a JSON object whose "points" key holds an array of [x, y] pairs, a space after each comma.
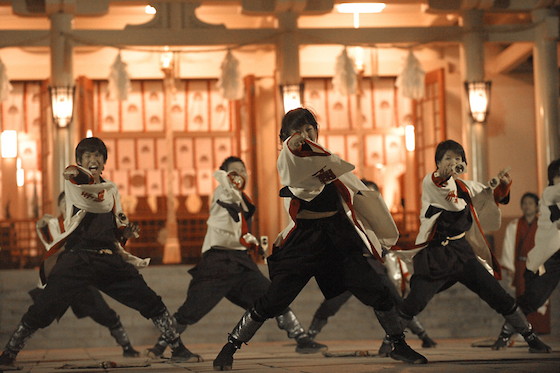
{"points": [[294, 119], [60, 197], [529, 195], [447, 145], [91, 144], [229, 160], [370, 184], [553, 171]]}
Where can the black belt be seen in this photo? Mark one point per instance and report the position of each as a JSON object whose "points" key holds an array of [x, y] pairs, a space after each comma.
{"points": [[94, 251], [319, 223]]}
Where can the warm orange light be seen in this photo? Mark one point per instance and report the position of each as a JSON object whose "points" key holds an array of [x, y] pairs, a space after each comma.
{"points": [[409, 140], [360, 7], [478, 95], [150, 9], [20, 173], [62, 104], [9, 144], [292, 96]]}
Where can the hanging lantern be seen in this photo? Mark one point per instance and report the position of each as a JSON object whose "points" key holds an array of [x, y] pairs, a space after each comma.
{"points": [[230, 83], [62, 105], [292, 96], [478, 95]]}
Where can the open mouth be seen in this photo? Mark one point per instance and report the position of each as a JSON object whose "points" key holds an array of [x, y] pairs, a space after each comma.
{"points": [[93, 168]]}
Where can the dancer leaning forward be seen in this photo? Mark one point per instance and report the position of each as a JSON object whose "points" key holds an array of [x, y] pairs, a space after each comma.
{"points": [[335, 219]]}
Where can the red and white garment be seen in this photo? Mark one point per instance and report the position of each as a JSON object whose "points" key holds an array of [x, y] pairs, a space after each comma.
{"points": [[484, 209], [223, 230], [95, 198], [306, 172]]}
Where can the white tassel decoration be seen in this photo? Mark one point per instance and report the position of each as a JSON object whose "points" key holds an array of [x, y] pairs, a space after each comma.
{"points": [[230, 83], [411, 79], [5, 86], [345, 78], [119, 81]]}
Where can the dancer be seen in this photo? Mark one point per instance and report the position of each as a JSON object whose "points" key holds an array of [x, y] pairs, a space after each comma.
{"points": [[331, 213], [90, 251], [451, 244], [90, 302], [226, 269], [542, 272], [395, 275]]}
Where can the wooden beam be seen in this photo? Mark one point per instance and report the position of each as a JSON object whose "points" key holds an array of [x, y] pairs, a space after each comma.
{"points": [[509, 58], [221, 36], [17, 38], [200, 37]]}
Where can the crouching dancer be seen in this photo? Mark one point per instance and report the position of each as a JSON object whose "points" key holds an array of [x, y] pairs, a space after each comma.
{"points": [[335, 220], [90, 252], [451, 243], [226, 270], [90, 302]]}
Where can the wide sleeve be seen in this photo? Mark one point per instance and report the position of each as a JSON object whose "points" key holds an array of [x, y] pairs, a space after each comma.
{"points": [[311, 167], [225, 191]]}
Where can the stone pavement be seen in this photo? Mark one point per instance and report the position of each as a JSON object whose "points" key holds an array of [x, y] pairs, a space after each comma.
{"points": [[450, 356]]}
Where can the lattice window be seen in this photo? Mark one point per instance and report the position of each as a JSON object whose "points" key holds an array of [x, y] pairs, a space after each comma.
{"points": [[366, 130], [430, 122], [205, 131]]}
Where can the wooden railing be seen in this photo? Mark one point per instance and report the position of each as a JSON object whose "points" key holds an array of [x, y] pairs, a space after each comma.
{"points": [[21, 248], [19, 245]]}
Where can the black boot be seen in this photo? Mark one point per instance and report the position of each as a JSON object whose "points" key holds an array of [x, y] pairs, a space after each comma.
{"points": [[181, 354], [122, 339], [386, 347], [417, 328], [403, 352], [519, 322], [15, 344], [167, 326], [244, 330], [224, 360], [7, 359], [157, 350], [504, 338], [316, 326], [394, 326], [305, 344]]}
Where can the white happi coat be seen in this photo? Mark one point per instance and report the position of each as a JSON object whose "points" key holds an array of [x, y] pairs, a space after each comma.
{"points": [[307, 172], [95, 198], [485, 212], [547, 237], [223, 230]]}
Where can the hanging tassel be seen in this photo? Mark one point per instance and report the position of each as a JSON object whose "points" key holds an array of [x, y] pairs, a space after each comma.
{"points": [[5, 86], [119, 81], [345, 78], [411, 79], [230, 83]]}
